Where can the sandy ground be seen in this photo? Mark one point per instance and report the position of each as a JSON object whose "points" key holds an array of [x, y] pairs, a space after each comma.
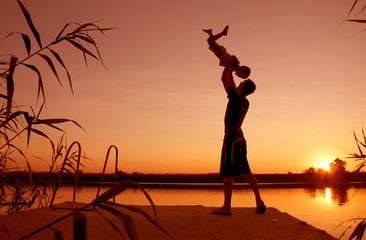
{"points": [[182, 222]]}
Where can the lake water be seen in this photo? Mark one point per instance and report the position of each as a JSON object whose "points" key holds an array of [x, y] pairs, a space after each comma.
{"points": [[322, 207]]}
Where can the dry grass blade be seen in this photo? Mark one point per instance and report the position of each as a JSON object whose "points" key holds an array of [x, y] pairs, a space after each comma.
{"points": [[30, 23], [50, 63], [40, 82], [79, 222], [125, 219]]}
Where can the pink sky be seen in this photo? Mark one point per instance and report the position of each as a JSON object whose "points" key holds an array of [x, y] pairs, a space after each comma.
{"points": [[161, 101]]}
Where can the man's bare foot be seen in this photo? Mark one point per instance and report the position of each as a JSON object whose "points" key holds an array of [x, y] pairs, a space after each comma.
{"points": [[261, 208], [221, 211]]}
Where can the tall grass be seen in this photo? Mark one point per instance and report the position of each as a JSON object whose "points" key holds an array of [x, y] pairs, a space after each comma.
{"points": [[18, 122], [356, 9], [18, 190], [359, 156], [102, 204]]}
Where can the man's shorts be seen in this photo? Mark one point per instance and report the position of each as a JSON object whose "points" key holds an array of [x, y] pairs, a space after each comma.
{"points": [[234, 156]]}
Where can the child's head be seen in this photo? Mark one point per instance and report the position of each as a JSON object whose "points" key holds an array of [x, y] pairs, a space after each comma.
{"points": [[243, 72]]}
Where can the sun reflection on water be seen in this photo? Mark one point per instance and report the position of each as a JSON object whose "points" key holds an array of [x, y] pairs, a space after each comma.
{"points": [[328, 195]]}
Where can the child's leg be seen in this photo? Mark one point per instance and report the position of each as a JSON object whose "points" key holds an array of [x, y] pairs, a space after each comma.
{"points": [[212, 37]]}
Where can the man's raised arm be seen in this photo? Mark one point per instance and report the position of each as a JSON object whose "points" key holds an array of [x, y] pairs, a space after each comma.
{"points": [[227, 79]]}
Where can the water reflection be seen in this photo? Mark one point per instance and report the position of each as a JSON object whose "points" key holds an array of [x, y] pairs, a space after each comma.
{"points": [[338, 194]]}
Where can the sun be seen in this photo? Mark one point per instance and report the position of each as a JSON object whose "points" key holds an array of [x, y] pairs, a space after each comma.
{"points": [[324, 165], [323, 162]]}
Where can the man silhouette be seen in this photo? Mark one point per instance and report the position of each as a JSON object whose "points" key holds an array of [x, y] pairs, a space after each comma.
{"points": [[234, 153]]}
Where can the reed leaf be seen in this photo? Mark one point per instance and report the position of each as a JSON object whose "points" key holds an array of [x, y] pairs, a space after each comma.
{"points": [[57, 56], [86, 38], [10, 93], [52, 121], [18, 150], [117, 189], [12, 117], [359, 230], [50, 64], [353, 6], [3, 96], [10, 84], [30, 23], [83, 49], [110, 223], [357, 20], [62, 31], [363, 9], [143, 213], [125, 219], [357, 142], [40, 82], [27, 43], [6, 231], [38, 133]]}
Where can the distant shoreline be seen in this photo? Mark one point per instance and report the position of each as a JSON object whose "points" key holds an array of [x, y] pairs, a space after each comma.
{"points": [[203, 180]]}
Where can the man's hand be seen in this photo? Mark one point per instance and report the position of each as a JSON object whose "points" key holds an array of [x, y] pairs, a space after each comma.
{"points": [[227, 78]]}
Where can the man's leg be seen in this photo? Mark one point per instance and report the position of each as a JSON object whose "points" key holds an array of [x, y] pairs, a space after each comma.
{"points": [[252, 180], [228, 189]]}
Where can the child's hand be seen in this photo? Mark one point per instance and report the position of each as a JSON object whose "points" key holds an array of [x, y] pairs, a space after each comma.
{"points": [[234, 61], [230, 68]]}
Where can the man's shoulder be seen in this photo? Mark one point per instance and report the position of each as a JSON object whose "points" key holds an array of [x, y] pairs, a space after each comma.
{"points": [[232, 92]]}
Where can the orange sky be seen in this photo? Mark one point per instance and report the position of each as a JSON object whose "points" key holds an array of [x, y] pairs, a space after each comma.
{"points": [[161, 101]]}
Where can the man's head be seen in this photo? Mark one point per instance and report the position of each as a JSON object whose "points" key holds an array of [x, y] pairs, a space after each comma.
{"points": [[243, 72], [246, 87]]}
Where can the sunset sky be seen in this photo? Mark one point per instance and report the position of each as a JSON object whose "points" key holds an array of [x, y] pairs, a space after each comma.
{"points": [[161, 100]]}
